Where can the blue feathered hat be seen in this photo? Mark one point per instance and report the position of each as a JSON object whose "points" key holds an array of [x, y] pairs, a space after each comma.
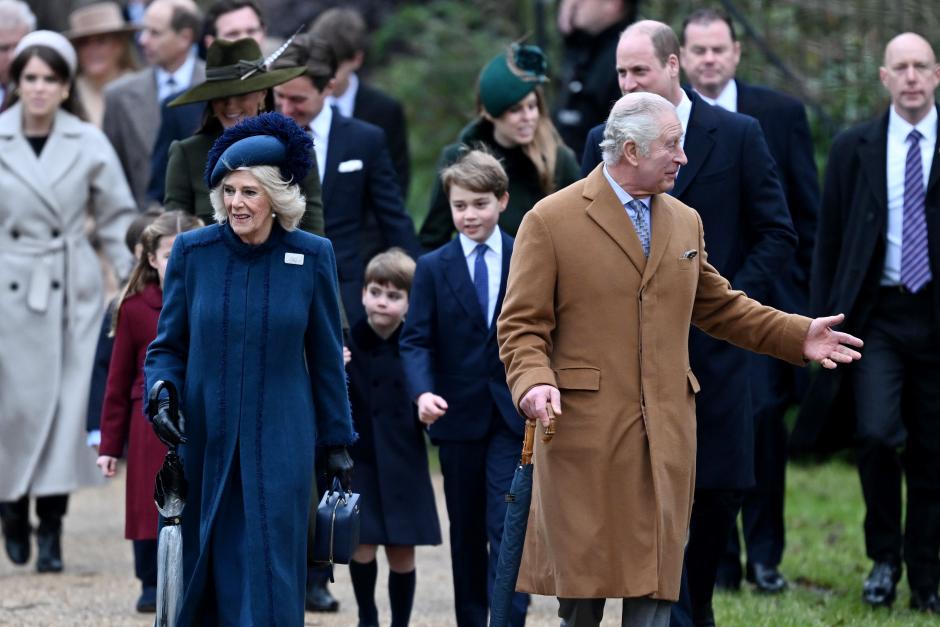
{"points": [[266, 139]]}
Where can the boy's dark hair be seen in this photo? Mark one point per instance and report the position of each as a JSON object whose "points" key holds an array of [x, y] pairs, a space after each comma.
{"points": [[476, 170], [392, 267], [221, 7], [314, 54], [344, 30], [706, 16]]}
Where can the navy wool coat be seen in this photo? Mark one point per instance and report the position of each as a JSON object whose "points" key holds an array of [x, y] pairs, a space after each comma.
{"points": [[251, 337], [391, 459]]}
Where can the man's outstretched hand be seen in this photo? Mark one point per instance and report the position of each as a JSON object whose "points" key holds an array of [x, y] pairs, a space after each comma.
{"points": [[830, 348]]}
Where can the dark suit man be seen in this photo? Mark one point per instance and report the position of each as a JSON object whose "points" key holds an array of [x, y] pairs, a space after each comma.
{"points": [[357, 175], [731, 181], [230, 20], [710, 56], [877, 258]]}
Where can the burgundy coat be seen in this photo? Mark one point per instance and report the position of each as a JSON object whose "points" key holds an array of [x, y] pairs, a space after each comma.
{"points": [[122, 418]]}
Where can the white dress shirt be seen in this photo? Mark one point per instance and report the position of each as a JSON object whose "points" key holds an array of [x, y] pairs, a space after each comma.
{"points": [[182, 77], [684, 112], [626, 198], [320, 128], [494, 266], [727, 99], [898, 130], [347, 102]]}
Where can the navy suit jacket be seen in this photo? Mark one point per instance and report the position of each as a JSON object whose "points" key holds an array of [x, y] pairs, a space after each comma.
{"points": [[175, 123], [448, 349], [731, 181], [359, 179], [377, 107]]}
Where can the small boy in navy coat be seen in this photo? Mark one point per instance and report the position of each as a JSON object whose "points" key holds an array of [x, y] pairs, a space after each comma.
{"points": [[453, 372]]}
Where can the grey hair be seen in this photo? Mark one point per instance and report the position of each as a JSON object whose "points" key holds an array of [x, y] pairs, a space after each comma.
{"points": [[634, 118], [287, 201], [15, 13]]}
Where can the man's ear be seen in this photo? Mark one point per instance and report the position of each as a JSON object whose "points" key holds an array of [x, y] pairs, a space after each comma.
{"points": [[631, 154], [503, 201]]}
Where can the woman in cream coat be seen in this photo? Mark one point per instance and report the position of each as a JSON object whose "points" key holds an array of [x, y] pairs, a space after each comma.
{"points": [[55, 172]]}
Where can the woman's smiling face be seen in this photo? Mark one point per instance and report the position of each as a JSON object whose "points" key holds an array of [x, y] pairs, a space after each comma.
{"points": [[232, 110], [247, 206]]}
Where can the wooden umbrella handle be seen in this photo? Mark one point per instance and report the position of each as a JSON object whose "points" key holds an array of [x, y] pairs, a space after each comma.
{"points": [[527, 442], [549, 432]]}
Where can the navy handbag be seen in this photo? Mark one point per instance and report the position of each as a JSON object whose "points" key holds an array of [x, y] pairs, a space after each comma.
{"points": [[336, 535]]}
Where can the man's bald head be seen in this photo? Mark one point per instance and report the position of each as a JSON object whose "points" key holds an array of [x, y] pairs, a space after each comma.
{"points": [[648, 60], [910, 74]]}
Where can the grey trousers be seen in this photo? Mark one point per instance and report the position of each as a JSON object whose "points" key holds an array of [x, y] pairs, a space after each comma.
{"points": [[637, 612]]}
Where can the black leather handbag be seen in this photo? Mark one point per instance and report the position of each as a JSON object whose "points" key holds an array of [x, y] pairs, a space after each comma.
{"points": [[336, 535]]}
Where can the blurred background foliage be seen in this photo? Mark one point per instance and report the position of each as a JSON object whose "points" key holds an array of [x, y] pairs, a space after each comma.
{"points": [[825, 52]]}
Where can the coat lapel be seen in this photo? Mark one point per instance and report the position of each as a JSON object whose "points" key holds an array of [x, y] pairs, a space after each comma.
{"points": [[935, 167], [458, 277], [873, 158], [661, 230], [699, 141], [62, 148], [20, 160], [606, 210], [503, 277]]}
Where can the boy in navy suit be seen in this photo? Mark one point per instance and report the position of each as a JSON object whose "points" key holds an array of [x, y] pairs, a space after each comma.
{"points": [[453, 372]]}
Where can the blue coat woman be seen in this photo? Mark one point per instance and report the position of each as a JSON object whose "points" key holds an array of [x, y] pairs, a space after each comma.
{"points": [[250, 334]]}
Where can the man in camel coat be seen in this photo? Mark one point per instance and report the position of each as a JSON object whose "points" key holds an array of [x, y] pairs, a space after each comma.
{"points": [[606, 277]]}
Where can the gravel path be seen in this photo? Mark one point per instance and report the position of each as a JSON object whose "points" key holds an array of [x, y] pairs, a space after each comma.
{"points": [[98, 587]]}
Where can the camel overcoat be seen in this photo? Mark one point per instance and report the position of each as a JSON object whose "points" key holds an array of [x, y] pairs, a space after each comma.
{"points": [[586, 312], [51, 297]]}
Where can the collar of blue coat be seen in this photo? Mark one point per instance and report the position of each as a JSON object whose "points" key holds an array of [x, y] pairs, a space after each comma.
{"points": [[249, 251]]}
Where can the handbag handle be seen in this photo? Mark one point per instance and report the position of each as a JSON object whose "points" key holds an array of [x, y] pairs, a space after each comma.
{"points": [[338, 487], [153, 401]]}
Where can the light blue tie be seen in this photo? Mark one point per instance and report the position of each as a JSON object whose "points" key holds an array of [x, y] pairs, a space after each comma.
{"points": [[641, 224], [481, 281]]}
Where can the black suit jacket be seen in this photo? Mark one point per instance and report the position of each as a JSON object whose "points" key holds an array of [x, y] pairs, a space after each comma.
{"points": [[359, 179], [848, 264], [731, 181], [376, 107]]}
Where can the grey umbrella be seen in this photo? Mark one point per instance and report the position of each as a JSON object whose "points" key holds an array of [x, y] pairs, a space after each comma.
{"points": [[514, 526], [170, 496]]}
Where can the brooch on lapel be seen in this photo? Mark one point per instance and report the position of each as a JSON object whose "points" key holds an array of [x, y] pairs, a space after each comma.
{"points": [[294, 259]]}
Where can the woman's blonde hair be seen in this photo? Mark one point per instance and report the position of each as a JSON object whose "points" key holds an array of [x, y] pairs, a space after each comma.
{"points": [[543, 149], [287, 201], [169, 223]]}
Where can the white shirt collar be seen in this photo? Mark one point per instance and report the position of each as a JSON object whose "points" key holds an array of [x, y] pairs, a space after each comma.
{"points": [[684, 112], [727, 99], [321, 124], [622, 194], [183, 75], [494, 241], [899, 128], [347, 102]]}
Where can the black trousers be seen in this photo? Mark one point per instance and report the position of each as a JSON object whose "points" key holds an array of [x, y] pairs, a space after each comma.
{"points": [[49, 509], [896, 388], [713, 515], [145, 562]]}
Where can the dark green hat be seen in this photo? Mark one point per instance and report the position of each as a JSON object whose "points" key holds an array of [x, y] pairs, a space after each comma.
{"points": [[511, 76], [234, 68]]}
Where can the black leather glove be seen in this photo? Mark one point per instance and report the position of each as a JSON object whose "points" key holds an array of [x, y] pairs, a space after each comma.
{"points": [[339, 464], [170, 429]]}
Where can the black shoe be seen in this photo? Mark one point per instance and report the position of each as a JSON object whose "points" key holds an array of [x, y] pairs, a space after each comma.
{"points": [[147, 603], [880, 587], [49, 548], [15, 535], [927, 602], [766, 579], [319, 599]]}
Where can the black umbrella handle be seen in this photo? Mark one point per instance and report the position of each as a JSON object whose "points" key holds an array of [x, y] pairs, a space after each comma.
{"points": [[153, 401]]}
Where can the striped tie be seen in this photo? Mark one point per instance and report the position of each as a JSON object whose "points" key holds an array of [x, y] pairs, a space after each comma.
{"points": [[915, 261]]}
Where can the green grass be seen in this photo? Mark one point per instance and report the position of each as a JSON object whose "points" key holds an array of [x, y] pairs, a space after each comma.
{"points": [[824, 560]]}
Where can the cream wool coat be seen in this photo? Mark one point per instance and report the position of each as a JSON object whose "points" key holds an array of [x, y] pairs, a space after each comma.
{"points": [[586, 312], [51, 298]]}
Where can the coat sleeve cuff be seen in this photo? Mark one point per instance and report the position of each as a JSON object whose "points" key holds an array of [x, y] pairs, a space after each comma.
{"points": [[528, 380], [790, 347]]}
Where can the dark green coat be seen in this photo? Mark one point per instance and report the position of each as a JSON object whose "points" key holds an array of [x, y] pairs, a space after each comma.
{"points": [[524, 187], [186, 189]]}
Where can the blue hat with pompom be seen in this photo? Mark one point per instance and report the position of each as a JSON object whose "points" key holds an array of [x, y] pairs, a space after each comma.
{"points": [[266, 139]]}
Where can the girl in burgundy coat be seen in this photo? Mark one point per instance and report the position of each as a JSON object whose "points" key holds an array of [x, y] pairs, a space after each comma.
{"points": [[123, 426]]}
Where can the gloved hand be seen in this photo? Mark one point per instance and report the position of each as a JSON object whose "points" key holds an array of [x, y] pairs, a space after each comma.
{"points": [[170, 432], [339, 464]]}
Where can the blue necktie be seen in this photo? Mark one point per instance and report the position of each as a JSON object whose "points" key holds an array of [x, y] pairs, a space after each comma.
{"points": [[481, 281], [915, 262], [641, 225]]}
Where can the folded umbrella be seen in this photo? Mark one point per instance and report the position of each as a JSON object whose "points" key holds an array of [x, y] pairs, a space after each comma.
{"points": [[514, 527], [170, 496]]}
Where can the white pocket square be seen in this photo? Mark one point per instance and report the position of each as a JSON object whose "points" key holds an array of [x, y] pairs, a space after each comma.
{"points": [[353, 165]]}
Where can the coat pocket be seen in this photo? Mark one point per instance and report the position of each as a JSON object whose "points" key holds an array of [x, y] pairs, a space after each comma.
{"points": [[694, 386], [578, 378]]}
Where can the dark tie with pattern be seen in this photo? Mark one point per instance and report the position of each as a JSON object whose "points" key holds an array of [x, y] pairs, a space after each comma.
{"points": [[481, 281], [915, 261]]}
